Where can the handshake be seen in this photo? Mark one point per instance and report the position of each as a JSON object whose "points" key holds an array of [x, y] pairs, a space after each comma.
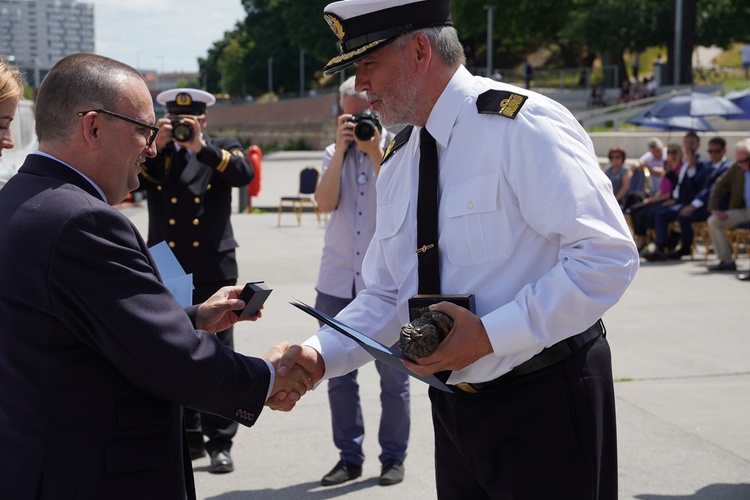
{"points": [[298, 369]]}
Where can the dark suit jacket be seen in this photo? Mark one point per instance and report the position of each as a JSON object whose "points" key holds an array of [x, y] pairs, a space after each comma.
{"points": [[691, 186], [96, 356], [714, 174], [190, 203]]}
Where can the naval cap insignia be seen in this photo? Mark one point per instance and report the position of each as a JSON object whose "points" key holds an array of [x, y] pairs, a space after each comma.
{"points": [[335, 25]]}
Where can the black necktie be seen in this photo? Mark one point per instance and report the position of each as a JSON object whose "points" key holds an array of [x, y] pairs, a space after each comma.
{"points": [[427, 215]]}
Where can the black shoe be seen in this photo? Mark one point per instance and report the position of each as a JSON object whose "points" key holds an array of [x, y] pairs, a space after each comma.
{"points": [[678, 254], [655, 256], [221, 462], [391, 473], [743, 277], [343, 472], [724, 266]]}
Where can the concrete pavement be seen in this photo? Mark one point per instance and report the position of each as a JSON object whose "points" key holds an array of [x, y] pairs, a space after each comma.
{"points": [[680, 345]]}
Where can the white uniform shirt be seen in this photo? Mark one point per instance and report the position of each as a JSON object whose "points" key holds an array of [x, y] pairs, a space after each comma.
{"points": [[527, 220], [351, 226]]}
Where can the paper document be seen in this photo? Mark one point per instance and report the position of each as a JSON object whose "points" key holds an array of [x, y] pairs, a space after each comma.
{"points": [[373, 347]]}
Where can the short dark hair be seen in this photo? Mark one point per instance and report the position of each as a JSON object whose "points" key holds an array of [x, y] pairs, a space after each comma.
{"points": [[718, 140], [617, 150], [77, 82]]}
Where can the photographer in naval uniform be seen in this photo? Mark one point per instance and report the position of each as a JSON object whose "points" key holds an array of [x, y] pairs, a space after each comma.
{"points": [[188, 188]]}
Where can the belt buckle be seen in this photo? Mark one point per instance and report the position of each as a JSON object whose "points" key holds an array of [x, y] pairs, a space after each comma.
{"points": [[466, 387]]}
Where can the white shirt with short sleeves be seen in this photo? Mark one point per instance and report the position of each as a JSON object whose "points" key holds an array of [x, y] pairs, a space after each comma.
{"points": [[351, 225]]}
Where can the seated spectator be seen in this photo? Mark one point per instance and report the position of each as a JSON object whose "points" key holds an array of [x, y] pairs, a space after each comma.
{"points": [[619, 174], [696, 210], [733, 182], [652, 85], [624, 91], [691, 178], [653, 162], [642, 214], [597, 95]]}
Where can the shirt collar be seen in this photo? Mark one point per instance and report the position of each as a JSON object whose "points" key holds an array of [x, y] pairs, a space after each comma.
{"points": [[445, 111], [98, 189]]}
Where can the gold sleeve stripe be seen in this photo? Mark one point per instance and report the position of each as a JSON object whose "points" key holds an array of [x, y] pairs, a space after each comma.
{"points": [[225, 157]]}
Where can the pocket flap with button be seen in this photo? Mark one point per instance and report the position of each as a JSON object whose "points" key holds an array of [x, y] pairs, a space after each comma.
{"points": [[477, 195], [390, 219]]}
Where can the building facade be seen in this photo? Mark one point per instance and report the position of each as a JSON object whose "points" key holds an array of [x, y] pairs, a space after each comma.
{"points": [[35, 34]]}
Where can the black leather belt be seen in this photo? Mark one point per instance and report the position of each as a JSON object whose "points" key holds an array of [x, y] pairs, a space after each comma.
{"points": [[549, 356]]}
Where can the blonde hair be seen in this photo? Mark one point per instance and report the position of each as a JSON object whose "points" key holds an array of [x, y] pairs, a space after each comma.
{"points": [[11, 85]]}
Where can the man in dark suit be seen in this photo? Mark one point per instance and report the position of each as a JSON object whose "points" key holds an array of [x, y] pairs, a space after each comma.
{"points": [[96, 355], [189, 193], [696, 211]]}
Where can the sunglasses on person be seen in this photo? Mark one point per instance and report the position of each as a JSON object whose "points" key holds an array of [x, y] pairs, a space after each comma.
{"points": [[673, 151], [746, 160], [152, 130], [714, 151], [616, 157]]}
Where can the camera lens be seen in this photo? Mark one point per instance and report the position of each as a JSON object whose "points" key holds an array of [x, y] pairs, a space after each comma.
{"points": [[364, 130], [183, 132]]}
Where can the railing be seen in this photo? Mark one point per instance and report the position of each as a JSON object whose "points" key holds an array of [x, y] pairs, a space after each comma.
{"points": [[564, 78]]}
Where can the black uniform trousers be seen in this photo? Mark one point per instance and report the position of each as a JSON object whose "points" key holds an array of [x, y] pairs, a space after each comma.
{"points": [[219, 431], [548, 435]]}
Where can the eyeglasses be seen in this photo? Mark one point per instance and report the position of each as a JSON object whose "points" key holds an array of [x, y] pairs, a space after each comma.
{"points": [[153, 130], [714, 151], [672, 151]]}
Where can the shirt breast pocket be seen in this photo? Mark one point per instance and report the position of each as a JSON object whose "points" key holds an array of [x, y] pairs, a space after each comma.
{"points": [[396, 241], [476, 229]]}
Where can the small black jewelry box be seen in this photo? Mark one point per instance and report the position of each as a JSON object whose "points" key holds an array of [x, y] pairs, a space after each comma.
{"points": [[254, 295]]}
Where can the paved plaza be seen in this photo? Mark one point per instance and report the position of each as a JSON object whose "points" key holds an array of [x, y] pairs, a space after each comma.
{"points": [[681, 354]]}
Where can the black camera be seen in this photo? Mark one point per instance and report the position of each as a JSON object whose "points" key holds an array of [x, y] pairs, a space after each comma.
{"points": [[181, 130], [366, 122]]}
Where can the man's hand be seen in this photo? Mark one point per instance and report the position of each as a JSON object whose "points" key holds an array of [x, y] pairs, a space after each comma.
{"points": [[164, 136], [344, 132], [687, 210], [466, 343], [291, 358], [719, 214], [217, 313], [290, 386]]}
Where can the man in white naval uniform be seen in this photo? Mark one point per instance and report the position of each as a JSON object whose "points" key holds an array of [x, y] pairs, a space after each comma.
{"points": [[527, 223]]}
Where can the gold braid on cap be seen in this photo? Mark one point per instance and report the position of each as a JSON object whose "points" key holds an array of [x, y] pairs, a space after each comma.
{"points": [[349, 55]]}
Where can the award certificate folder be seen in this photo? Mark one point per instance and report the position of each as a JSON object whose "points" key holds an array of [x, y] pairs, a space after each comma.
{"points": [[373, 347]]}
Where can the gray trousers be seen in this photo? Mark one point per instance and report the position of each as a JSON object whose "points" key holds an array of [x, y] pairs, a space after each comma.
{"points": [[717, 227]]}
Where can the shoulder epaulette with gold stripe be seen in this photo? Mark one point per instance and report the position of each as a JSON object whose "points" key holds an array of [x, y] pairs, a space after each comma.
{"points": [[500, 102]]}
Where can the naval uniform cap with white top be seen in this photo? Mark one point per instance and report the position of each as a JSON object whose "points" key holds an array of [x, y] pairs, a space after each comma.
{"points": [[190, 102], [364, 26]]}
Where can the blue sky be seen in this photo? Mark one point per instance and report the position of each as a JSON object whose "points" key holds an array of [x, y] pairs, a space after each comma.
{"points": [[166, 35]]}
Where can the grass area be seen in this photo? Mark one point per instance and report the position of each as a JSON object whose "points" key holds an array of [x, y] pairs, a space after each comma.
{"points": [[729, 60]]}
